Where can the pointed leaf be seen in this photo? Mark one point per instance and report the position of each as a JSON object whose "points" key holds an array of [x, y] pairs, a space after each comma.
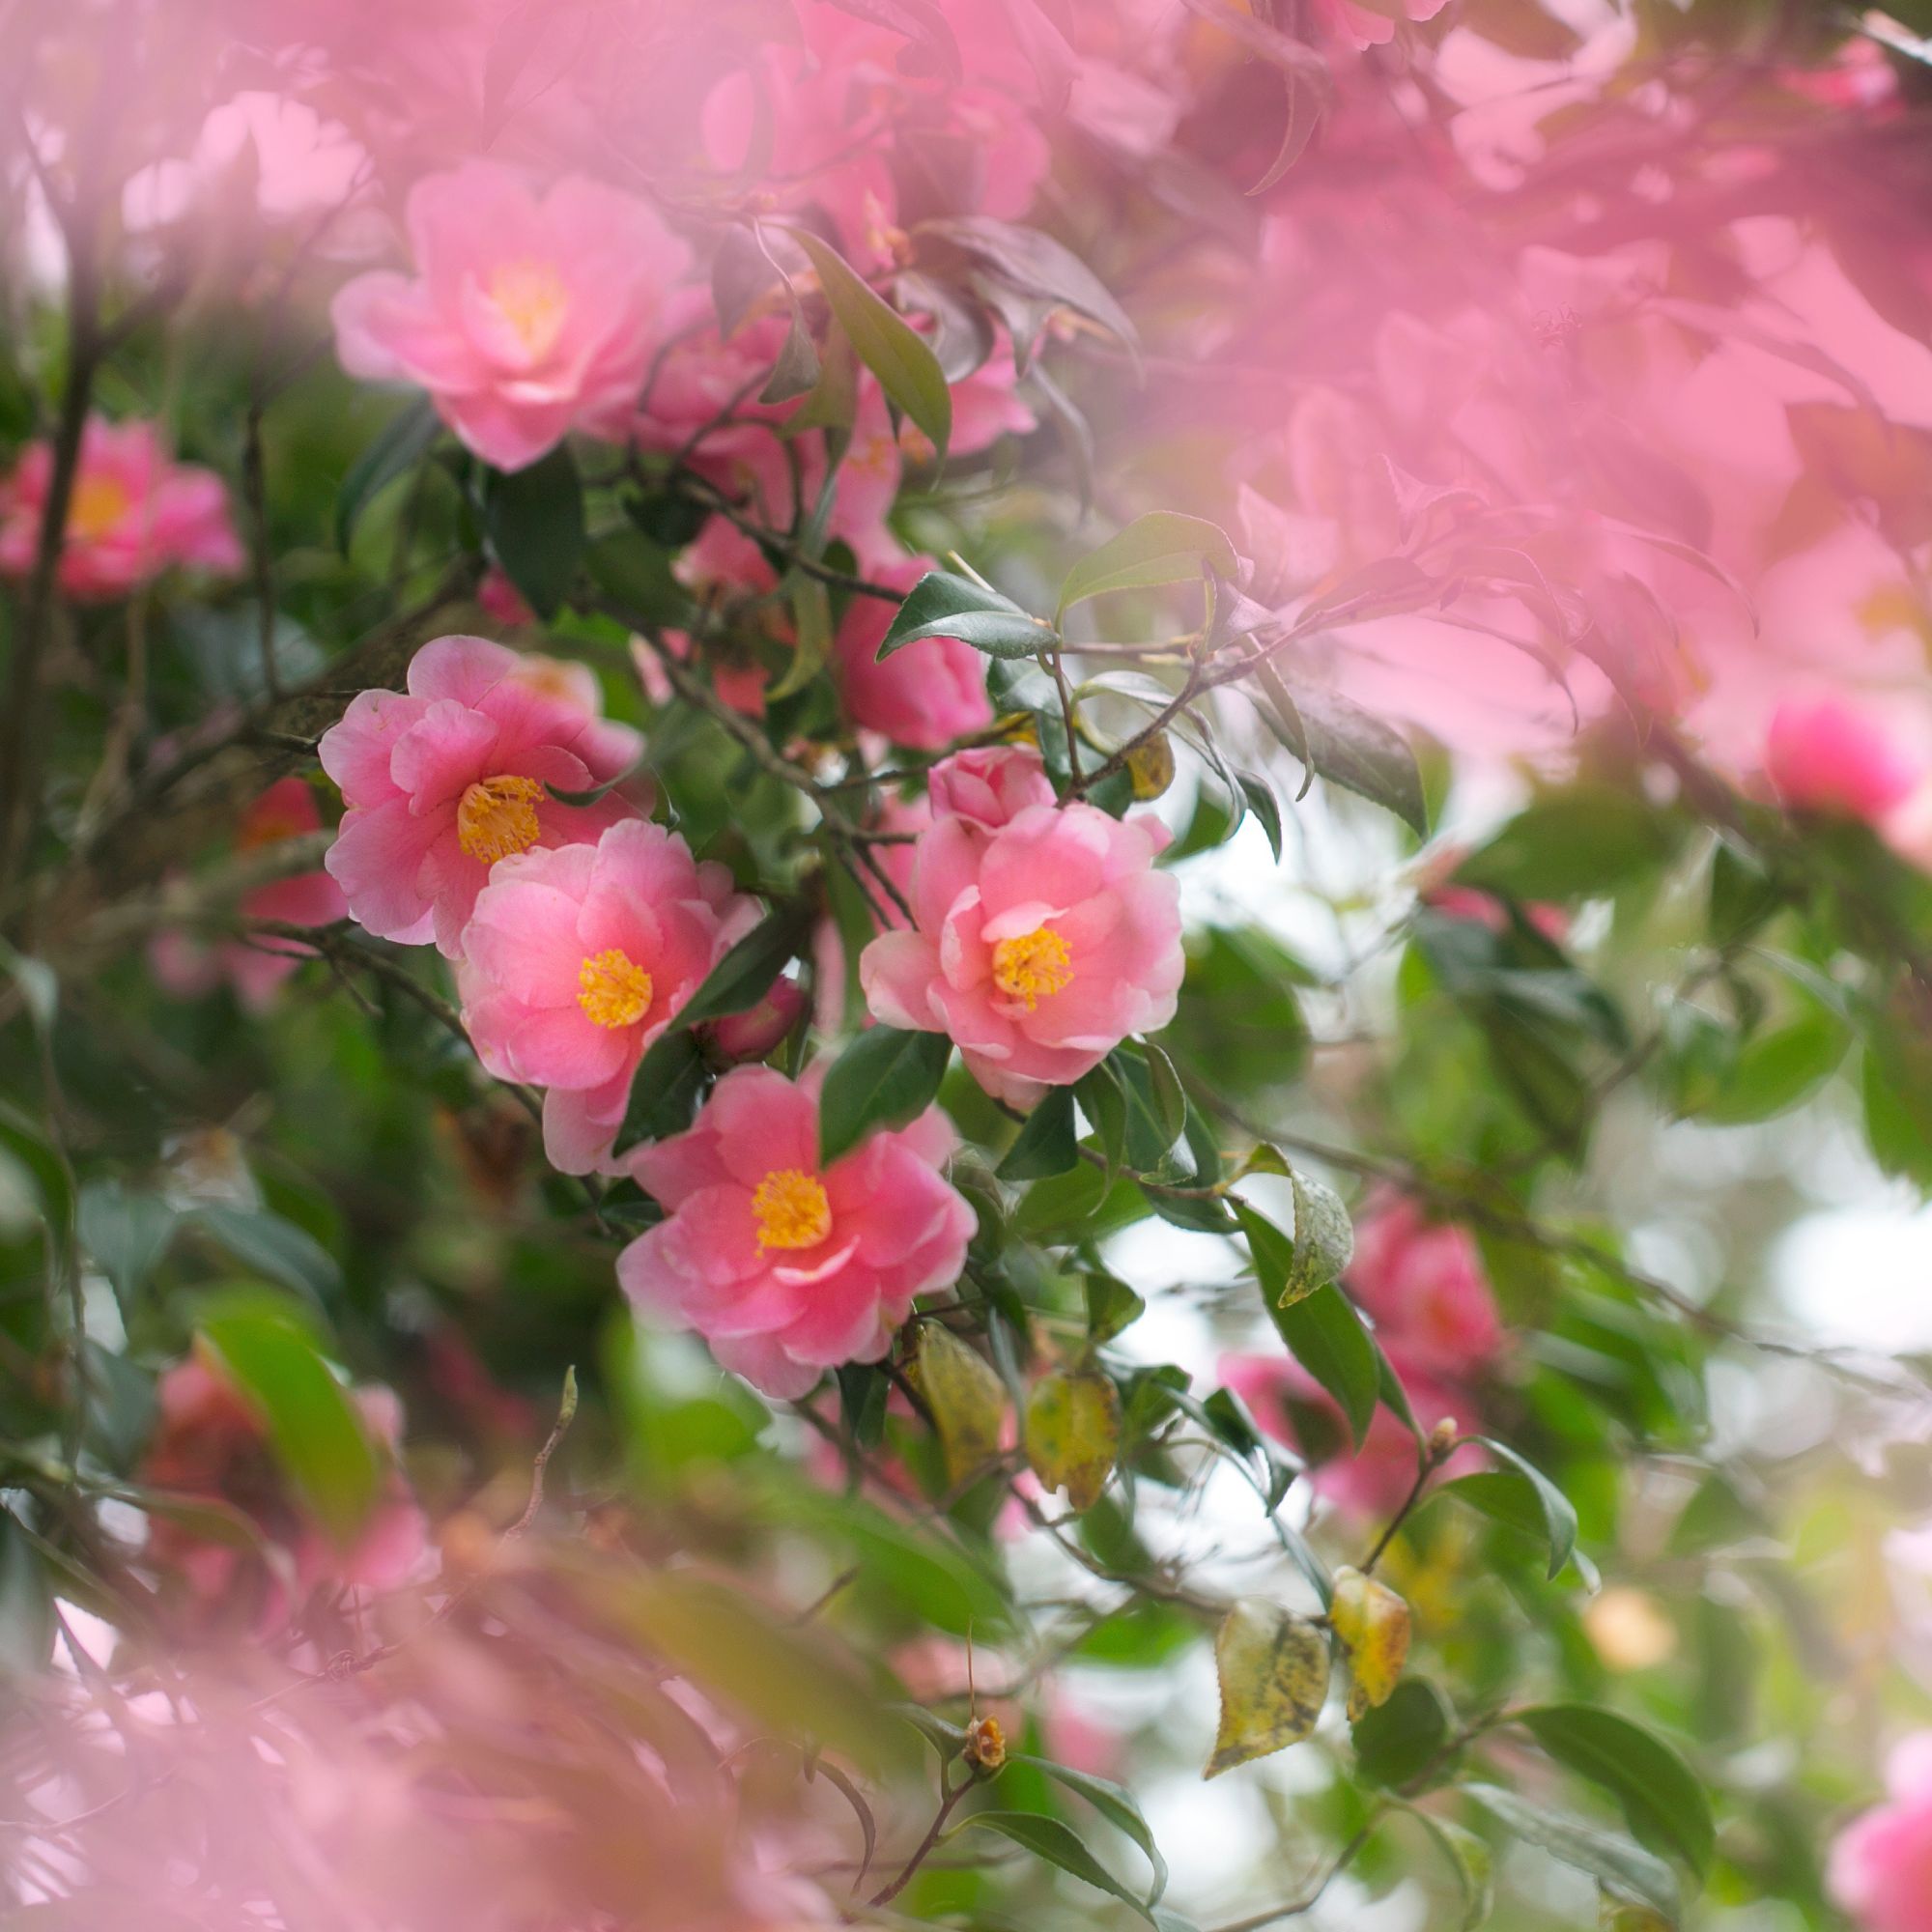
{"points": [[1074, 1435], [1273, 1670]]}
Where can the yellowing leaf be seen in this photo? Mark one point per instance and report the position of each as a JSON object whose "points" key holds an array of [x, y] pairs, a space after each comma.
{"points": [[1074, 1435], [1371, 1623], [1273, 1668], [968, 1401]]}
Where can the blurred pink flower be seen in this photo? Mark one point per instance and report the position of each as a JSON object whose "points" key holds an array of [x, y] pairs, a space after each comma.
{"points": [[1823, 756], [501, 600], [990, 785], [576, 958], [1363, 25], [787, 1267], [256, 967], [445, 780], [131, 515], [1039, 946], [759, 1029], [532, 315], [1881, 1865], [1422, 1283], [211, 1442], [924, 696]]}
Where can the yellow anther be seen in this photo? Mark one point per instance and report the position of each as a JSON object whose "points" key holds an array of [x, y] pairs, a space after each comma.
{"points": [[1033, 966], [97, 506], [616, 991], [499, 816], [792, 1209], [530, 296]]}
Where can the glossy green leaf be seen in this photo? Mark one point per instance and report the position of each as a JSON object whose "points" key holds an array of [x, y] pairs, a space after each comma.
{"points": [[1162, 546], [885, 1078], [942, 604], [534, 517]]}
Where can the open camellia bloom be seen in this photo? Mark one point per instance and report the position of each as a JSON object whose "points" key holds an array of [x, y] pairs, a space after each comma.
{"points": [[211, 1442], [787, 1267], [529, 316], [1880, 1866], [133, 513], [577, 958], [256, 967], [448, 778], [1038, 944]]}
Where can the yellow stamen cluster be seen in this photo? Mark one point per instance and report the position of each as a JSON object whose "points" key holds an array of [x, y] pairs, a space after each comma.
{"points": [[616, 991], [499, 816], [530, 296], [792, 1209], [1033, 966], [97, 506]]}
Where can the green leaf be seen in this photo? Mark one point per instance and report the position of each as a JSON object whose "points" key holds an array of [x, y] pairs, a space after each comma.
{"points": [[1273, 1670], [1114, 1803], [1559, 1519], [1664, 1801], [313, 1425], [128, 1234], [402, 442], [1473, 1866], [1074, 1435], [1579, 843], [1325, 1335], [1777, 1068], [887, 343], [265, 1243], [26, 1605], [1162, 546], [967, 1398], [534, 517], [1058, 1844], [1615, 1863], [1036, 265], [1111, 1307], [941, 605], [1348, 747], [1261, 801], [1105, 1104], [1045, 1145], [884, 1079], [1398, 1741]]}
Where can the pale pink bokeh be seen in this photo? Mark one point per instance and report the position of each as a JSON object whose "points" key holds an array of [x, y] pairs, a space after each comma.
{"points": [[787, 1265], [531, 314], [1827, 755], [133, 513], [1038, 945], [447, 778], [1880, 1871], [577, 957]]}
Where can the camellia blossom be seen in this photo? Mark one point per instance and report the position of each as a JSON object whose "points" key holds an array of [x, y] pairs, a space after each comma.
{"points": [[256, 967], [132, 514], [1823, 756], [1423, 1283], [787, 1266], [924, 696], [532, 315], [1039, 944], [989, 784], [211, 1442], [1363, 25], [1880, 1866], [444, 779], [577, 958]]}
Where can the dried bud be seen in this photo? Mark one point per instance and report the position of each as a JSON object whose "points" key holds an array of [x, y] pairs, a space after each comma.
{"points": [[985, 1747], [1442, 1438], [1151, 766]]}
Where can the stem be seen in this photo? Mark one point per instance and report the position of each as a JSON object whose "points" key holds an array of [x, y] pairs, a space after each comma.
{"points": [[951, 1795]]}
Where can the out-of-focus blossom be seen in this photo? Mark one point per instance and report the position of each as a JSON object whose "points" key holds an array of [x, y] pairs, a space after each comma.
{"points": [[530, 315], [786, 1266], [1881, 1865], [989, 784], [132, 514], [1423, 1283], [1371, 23], [256, 967], [1825, 755], [577, 957], [455, 774], [211, 1442], [1039, 944], [761, 1027], [501, 600], [924, 696]]}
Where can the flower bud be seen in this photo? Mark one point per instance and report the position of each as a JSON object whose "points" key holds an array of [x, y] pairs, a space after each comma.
{"points": [[985, 1747], [758, 1028]]}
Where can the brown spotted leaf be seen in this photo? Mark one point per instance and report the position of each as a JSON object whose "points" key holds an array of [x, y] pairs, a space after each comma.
{"points": [[968, 1402], [1074, 1435], [1371, 1623], [1273, 1668]]}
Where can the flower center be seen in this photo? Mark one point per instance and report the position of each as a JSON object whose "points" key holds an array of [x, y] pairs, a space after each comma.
{"points": [[616, 991], [792, 1209], [97, 506], [530, 296], [499, 816], [269, 828], [1033, 966]]}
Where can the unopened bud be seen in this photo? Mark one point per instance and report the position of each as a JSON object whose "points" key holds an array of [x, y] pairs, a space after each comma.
{"points": [[1443, 1437]]}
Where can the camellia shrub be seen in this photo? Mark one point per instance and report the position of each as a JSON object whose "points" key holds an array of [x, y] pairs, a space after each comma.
{"points": [[914, 912]]}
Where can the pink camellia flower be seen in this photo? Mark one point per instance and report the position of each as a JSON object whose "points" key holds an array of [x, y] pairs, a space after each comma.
{"points": [[256, 967], [532, 315], [132, 514], [990, 785], [785, 1267], [502, 601], [1823, 755], [1880, 1866], [1371, 23], [924, 696], [576, 958], [448, 778], [1423, 1283], [1039, 944], [212, 1443], [1372, 1479]]}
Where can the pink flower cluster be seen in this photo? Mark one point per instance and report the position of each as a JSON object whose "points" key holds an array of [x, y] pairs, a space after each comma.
{"points": [[1041, 936], [211, 1442], [1880, 1866], [785, 1265], [1423, 1286], [132, 513]]}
